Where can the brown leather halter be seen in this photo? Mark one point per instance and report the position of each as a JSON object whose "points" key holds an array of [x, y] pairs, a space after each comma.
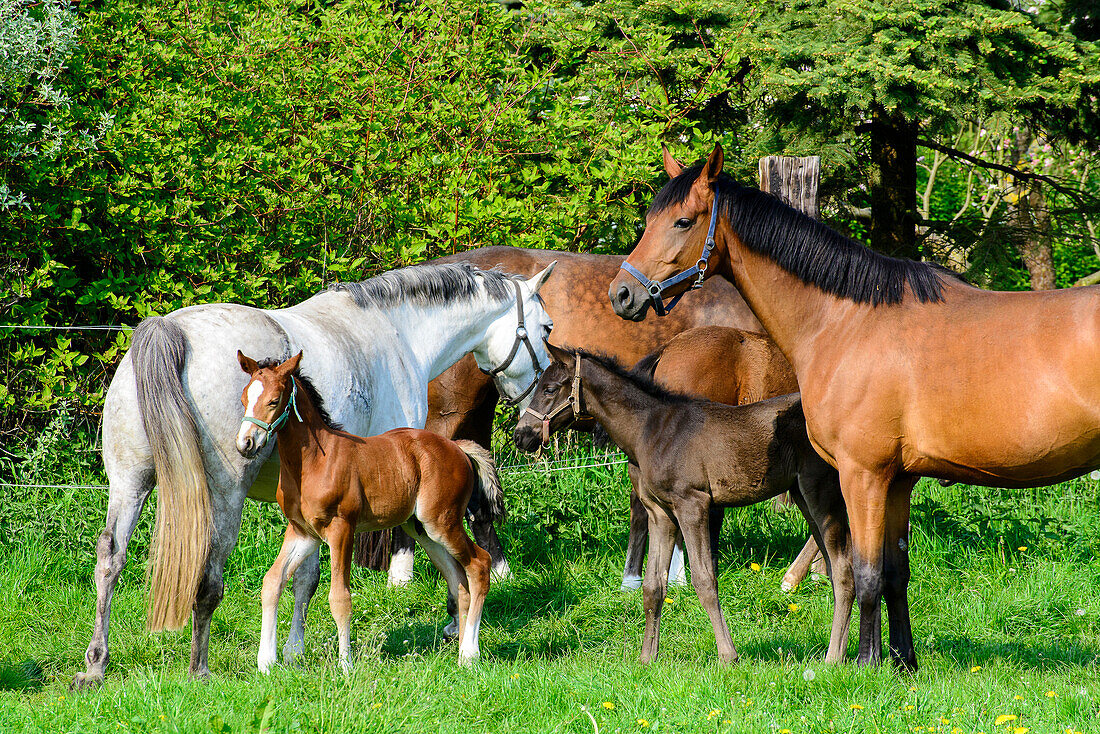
{"points": [[574, 401]]}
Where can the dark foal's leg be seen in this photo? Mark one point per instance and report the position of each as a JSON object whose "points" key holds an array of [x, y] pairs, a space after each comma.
{"points": [[717, 517], [639, 534], [662, 537], [896, 572], [865, 495], [693, 511]]}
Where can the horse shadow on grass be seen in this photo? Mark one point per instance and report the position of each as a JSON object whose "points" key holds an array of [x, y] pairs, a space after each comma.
{"points": [[26, 675]]}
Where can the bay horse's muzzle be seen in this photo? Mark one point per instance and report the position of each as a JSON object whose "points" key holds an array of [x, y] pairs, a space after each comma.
{"points": [[628, 300]]}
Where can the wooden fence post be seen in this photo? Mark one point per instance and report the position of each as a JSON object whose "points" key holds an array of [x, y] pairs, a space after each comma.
{"points": [[794, 180]]}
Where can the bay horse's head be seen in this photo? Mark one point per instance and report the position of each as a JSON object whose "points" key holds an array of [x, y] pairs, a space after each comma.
{"points": [[268, 399], [676, 251], [554, 404]]}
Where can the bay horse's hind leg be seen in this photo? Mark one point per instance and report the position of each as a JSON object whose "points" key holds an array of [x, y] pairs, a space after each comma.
{"points": [[128, 491], [639, 534], [692, 510], [896, 572], [304, 586]]}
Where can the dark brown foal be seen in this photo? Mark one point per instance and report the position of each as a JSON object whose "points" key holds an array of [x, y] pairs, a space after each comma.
{"points": [[692, 455], [333, 484]]}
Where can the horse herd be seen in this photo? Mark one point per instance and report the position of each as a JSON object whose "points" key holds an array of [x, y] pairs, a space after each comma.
{"points": [[901, 371]]}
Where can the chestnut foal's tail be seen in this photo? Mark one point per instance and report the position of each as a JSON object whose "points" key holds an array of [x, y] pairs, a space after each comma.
{"points": [[487, 489], [181, 538]]}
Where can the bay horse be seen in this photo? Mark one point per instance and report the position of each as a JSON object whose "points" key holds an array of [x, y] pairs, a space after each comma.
{"points": [[333, 484], [171, 416], [691, 456], [905, 370], [714, 363], [462, 401]]}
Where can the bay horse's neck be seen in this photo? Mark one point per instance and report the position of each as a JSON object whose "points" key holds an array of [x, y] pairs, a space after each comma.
{"points": [[438, 336], [619, 405]]}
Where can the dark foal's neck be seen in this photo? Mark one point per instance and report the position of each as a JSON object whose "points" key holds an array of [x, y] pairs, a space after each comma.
{"points": [[618, 404]]}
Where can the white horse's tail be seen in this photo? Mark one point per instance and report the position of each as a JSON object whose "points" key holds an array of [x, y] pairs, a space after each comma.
{"points": [[490, 496], [181, 538]]}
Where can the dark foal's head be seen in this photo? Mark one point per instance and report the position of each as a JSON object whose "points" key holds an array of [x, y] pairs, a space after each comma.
{"points": [[551, 394], [266, 399]]}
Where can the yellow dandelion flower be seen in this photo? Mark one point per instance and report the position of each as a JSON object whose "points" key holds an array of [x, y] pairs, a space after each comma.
{"points": [[754, 566], [956, 730], [515, 676], [1022, 548], [1017, 697], [784, 731], [793, 607], [669, 600], [713, 713], [855, 707], [608, 705], [975, 669], [1004, 719], [944, 721], [643, 723], [1051, 694], [1020, 730], [376, 705], [909, 708]]}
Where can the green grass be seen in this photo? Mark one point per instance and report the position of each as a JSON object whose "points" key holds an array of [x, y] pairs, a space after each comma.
{"points": [[1004, 604]]}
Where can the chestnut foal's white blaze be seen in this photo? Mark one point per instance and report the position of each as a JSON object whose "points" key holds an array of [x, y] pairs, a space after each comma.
{"points": [[249, 430], [375, 346]]}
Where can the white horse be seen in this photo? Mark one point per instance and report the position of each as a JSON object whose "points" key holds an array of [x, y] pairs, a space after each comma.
{"points": [[173, 411]]}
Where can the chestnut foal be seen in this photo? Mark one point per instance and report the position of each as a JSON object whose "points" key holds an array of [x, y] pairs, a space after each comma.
{"points": [[333, 484], [692, 455]]}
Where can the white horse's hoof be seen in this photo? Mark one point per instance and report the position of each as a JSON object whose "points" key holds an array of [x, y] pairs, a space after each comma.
{"points": [[265, 664], [501, 572], [631, 583]]}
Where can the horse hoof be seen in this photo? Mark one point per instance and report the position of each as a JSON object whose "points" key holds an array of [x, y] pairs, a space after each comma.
{"points": [[451, 630], [787, 586], [730, 659], [501, 572], [631, 583], [468, 659], [86, 681]]}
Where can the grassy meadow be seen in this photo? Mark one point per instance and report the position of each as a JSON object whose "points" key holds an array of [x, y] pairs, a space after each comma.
{"points": [[1004, 604]]}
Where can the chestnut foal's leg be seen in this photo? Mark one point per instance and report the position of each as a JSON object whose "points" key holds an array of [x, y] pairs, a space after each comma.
{"points": [[639, 534], [693, 512], [662, 537], [800, 569], [341, 536], [296, 548]]}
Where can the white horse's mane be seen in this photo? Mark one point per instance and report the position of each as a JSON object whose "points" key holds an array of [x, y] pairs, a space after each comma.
{"points": [[428, 285]]}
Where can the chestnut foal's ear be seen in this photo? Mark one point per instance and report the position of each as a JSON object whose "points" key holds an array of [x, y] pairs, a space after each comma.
{"points": [[672, 166], [536, 281], [713, 167], [563, 356], [291, 364], [248, 365]]}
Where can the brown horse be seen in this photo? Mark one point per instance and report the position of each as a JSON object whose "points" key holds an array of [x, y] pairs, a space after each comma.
{"points": [[905, 371], [333, 484], [462, 401], [715, 363], [691, 456]]}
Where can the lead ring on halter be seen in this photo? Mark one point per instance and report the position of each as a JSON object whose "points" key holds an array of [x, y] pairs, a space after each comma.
{"points": [[573, 401], [521, 337], [656, 289]]}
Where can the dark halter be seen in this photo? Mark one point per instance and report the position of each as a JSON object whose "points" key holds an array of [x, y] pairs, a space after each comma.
{"points": [[574, 401], [657, 288], [522, 337]]}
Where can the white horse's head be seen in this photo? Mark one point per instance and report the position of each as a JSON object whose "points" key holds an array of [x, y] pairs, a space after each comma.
{"points": [[514, 348]]}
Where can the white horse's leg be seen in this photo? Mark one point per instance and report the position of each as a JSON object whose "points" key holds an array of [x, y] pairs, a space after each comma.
{"points": [[401, 560], [677, 573], [305, 585], [127, 495]]}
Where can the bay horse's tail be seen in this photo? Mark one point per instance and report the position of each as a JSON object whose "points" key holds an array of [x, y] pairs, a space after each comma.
{"points": [[488, 492], [181, 537], [647, 365]]}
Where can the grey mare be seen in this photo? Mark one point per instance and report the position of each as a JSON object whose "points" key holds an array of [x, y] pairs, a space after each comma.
{"points": [[173, 411]]}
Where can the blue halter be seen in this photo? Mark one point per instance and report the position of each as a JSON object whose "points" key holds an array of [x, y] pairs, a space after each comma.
{"points": [[657, 288], [279, 422]]}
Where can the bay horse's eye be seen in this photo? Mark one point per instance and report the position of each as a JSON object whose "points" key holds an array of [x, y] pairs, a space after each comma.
{"points": [[683, 223]]}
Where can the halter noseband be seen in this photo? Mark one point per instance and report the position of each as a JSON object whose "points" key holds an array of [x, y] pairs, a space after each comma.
{"points": [[522, 337], [574, 401], [279, 422], [657, 288]]}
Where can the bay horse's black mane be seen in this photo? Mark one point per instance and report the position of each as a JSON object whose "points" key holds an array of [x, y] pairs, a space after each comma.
{"points": [[809, 249], [311, 390]]}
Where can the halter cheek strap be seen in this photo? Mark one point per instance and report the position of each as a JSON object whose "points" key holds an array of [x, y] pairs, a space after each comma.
{"points": [[656, 289], [522, 337], [574, 401], [279, 422]]}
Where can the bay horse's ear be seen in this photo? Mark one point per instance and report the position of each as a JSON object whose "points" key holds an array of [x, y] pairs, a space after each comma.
{"points": [[560, 355], [536, 281], [714, 165], [248, 365], [291, 364], [673, 167]]}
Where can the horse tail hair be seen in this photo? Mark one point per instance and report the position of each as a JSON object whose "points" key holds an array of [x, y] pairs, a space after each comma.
{"points": [[647, 365], [181, 536], [487, 488]]}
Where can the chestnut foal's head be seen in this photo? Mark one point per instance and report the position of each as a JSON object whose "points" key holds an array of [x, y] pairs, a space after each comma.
{"points": [[268, 401]]}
